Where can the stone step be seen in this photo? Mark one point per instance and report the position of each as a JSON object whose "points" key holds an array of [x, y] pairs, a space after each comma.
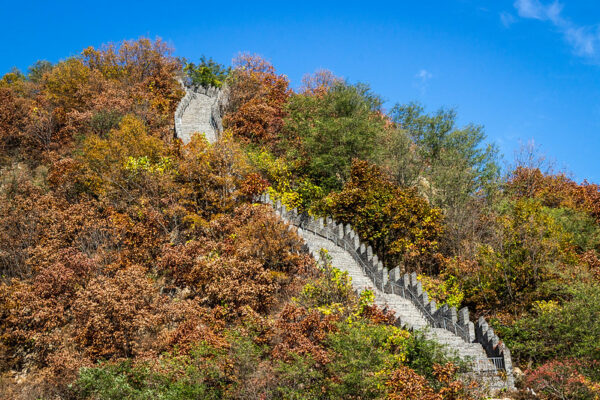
{"points": [[407, 313], [197, 118]]}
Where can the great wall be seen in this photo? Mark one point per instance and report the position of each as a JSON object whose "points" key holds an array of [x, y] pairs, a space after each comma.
{"points": [[488, 359]]}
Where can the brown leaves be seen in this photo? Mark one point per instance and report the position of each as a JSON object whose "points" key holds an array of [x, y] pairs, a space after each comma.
{"points": [[13, 112], [302, 332], [405, 384], [246, 260], [114, 315], [257, 100]]}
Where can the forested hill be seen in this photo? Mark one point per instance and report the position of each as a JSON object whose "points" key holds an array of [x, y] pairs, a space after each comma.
{"points": [[136, 266]]}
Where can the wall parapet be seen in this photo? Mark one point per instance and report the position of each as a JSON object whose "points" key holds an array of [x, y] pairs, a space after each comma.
{"points": [[182, 106], [406, 285]]}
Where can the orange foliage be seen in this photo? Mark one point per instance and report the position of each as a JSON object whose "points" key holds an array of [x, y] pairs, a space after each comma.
{"points": [[555, 190], [257, 100], [405, 384], [302, 332], [83, 93]]}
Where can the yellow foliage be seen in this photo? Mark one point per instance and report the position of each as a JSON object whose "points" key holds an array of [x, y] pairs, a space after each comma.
{"points": [[65, 83], [130, 141], [293, 193], [544, 307], [443, 291]]}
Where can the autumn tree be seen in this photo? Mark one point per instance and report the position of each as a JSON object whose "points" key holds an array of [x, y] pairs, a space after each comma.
{"points": [[257, 98], [401, 225]]}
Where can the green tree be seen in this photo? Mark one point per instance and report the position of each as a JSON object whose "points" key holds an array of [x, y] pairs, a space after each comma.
{"points": [[325, 132], [451, 166], [207, 73], [37, 70], [455, 160]]}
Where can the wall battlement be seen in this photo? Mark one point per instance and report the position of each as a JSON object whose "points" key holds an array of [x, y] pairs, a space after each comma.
{"points": [[407, 286]]}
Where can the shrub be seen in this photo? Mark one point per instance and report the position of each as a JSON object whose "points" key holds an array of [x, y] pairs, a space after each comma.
{"points": [[566, 379], [207, 73], [201, 375], [553, 330], [114, 316], [104, 121]]}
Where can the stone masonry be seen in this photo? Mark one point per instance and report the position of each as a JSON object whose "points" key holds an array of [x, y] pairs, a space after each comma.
{"points": [[200, 112], [488, 358]]}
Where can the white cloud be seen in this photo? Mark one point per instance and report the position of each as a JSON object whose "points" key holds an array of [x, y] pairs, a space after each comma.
{"points": [[535, 9], [424, 75], [507, 19], [584, 40]]}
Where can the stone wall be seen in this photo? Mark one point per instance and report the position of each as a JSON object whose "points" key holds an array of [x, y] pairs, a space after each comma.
{"points": [[406, 285], [220, 98], [182, 106]]}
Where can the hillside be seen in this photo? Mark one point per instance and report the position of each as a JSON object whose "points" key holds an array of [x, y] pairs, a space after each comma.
{"points": [[303, 244]]}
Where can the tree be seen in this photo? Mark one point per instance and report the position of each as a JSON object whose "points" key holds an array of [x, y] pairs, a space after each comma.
{"points": [[36, 71], [319, 83], [256, 102], [207, 73], [456, 161], [325, 132], [399, 224]]}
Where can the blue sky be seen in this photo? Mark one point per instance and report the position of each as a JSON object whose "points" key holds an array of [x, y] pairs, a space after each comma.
{"points": [[525, 69]]}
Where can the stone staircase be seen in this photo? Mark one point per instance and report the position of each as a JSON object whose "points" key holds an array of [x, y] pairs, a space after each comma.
{"points": [[487, 358], [408, 315], [200, 112]]}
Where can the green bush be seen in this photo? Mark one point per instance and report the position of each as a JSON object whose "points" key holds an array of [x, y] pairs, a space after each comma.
{"points": [[197, 376], [554, 330], [104, 121], [207, 73], [583, 229]]}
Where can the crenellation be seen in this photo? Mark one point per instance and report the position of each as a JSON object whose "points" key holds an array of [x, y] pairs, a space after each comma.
{"points": [[391, 283], [452, 314], [413, 279], [463, 316], [431, 307], [418, 289]]}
